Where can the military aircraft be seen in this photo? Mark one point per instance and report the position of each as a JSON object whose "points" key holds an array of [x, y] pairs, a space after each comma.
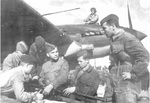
{"points": [[19, 21]]}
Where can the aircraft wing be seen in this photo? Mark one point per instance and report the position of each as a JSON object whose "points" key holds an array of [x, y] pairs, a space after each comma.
{"points": [[21, 22]]}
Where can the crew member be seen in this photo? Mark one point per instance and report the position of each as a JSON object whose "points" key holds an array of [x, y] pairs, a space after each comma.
{"points": [[85, 80], [13, 59], [54, 71], [38, 52], [131, 61], [92, 18], [12, 81]]}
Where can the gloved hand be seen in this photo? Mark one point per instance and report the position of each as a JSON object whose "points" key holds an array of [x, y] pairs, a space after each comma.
{"points": [[47, 89]]}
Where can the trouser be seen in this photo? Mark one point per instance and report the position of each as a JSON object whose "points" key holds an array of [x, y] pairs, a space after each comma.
{"points": [[126, 96], [145, 81], [125, 90]]}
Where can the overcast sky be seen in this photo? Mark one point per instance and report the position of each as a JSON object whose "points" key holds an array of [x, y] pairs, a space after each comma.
{"points": [[140, 11]]}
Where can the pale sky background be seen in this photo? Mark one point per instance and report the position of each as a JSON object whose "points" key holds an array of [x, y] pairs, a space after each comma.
{"points": [[139, 10]]}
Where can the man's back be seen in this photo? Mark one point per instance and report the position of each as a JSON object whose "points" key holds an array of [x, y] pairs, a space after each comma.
{"points": [[39, 56], [12, 61], [6, 79]]}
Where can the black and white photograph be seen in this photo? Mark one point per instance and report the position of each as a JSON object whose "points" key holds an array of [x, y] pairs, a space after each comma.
{"points": [[75, 51]]}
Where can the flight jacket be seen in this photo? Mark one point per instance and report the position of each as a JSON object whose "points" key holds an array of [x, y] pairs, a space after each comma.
{"points": [[127, 49]]}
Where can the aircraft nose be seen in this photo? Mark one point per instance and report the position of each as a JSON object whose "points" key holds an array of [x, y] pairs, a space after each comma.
{"points": [[76, 47]]}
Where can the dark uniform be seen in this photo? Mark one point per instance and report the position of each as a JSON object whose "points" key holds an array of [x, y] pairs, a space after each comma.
{"points": [[39, 56], [86, 82], [38, 52], [130, 56]]}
